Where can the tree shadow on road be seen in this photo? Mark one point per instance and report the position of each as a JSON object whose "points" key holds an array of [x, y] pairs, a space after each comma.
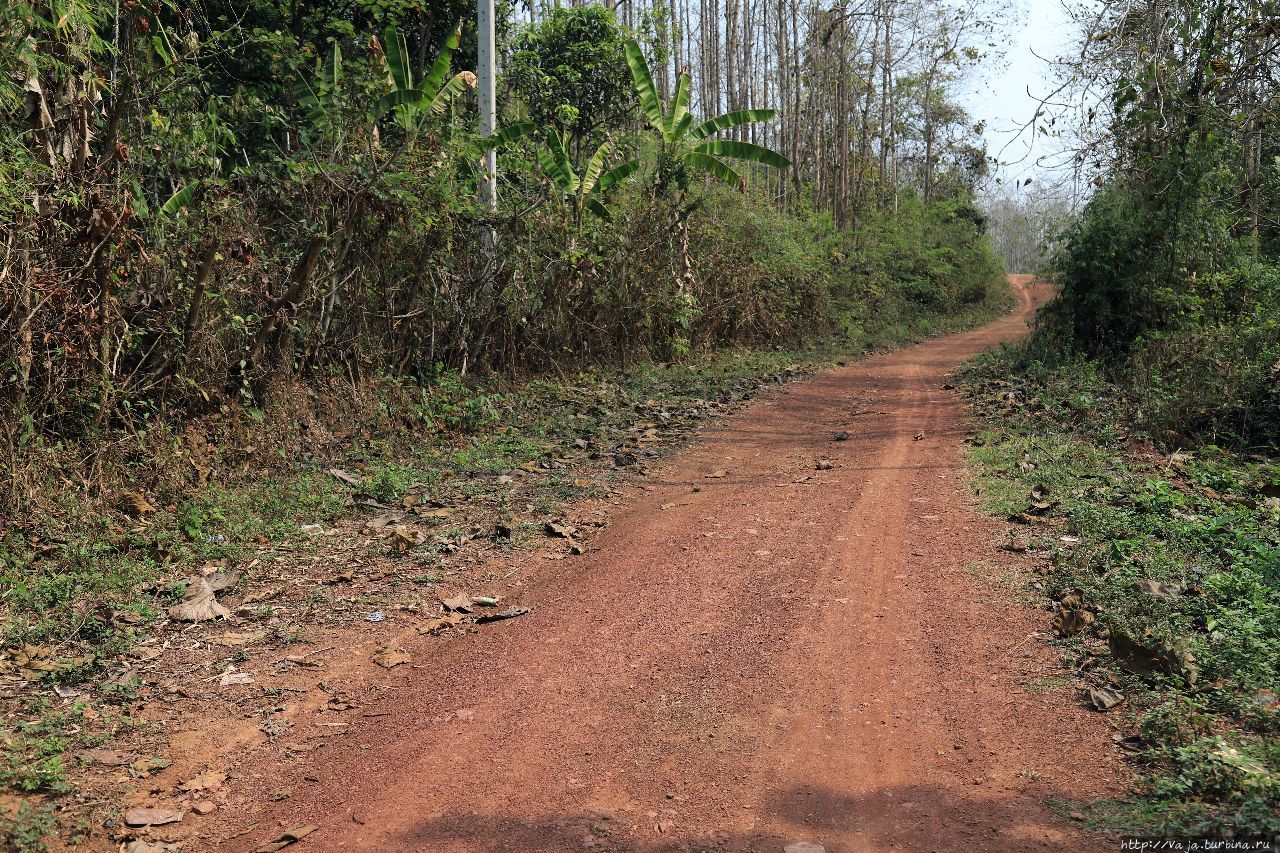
{"points": [[914, 817]]}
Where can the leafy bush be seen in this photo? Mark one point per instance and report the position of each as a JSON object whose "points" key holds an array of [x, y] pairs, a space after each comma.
{"points": [[1180, 554]]}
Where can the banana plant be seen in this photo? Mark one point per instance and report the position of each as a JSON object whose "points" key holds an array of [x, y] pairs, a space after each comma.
{"points": [[414, 104], [685, 145], [318, 99], [586, 192]]}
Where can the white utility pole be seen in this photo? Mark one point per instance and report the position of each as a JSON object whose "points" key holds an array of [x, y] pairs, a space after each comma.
{"points": [[486, 90], [486, 72]]}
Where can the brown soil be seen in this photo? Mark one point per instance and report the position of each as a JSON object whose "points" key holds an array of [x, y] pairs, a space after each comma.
{"points": [[778, 654]]}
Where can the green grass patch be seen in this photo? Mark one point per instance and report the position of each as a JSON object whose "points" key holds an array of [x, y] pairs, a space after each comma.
{"points": [[1176, 557]]}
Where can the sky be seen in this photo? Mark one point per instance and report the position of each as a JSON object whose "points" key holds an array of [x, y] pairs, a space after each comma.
{"points": [[1035, 31]]}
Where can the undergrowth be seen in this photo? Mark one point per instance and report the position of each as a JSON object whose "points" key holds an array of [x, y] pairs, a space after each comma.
{"points": [[1164, 571]]}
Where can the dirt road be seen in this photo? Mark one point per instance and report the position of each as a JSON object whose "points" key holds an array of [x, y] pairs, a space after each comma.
{"points": [[777, 655]]}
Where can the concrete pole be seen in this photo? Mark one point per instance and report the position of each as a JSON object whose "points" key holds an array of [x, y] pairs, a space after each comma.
{"points": [[486, 72], [486, 90]]}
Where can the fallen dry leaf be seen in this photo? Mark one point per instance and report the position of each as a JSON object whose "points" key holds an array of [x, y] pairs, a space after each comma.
{"points": [[149, 763], [510, 613], [149, 816], [223, 579], [1148, 655], [209, 780], [391, 657], [1159, 590], [289, 836], [236, 638], [233, 677], [459, 603], [34, 661], [402, 539], [198, 603], [384, 520], [135, 505], [345, 476], [563, 531], [1105, 698], [435, 626], [109, 757]]}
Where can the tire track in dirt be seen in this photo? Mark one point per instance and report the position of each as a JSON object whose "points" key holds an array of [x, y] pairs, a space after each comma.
{"points": [[784, 654]]}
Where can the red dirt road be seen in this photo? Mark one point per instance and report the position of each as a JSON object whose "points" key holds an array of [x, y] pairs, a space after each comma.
{"points": [[784, 655]]}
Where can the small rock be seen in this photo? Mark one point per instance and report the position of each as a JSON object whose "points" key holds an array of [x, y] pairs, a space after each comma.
{"points": [[840, 436], [203, 807]]}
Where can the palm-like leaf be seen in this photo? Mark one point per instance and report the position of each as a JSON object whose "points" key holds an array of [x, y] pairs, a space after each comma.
{"points": [[316, 100], [179, 199], [679, 107], [645, 90], [551, 166], [597, 207], [506, 136], [595, 166], [555, 161], [746, 151], [398, 98], [435, 77], [716, 167], [397, 52], [618, 173], [728, 120], [434, 95], [450, 91]]}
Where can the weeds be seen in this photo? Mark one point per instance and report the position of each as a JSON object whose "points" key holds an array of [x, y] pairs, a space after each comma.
{"points": [[1173, 555]]}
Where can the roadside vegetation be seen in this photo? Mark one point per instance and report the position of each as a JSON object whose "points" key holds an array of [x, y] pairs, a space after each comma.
{"points": [[1163, 572], [1136, 436]]}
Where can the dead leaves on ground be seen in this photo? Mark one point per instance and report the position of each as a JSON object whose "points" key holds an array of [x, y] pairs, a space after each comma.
{"points": [[389, 657], [134, 505], [33, 663], [210, 780], [1072, 617], [151, 816], [199, 603], [286, 838], [1147, 656], [108, 757], [1105, 698], [403, 539], [443, 623], [457, 604], [237, 638]]}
